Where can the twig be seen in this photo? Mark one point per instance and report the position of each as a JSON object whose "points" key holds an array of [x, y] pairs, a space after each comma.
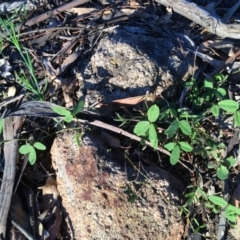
{"points": [[121, 132], [209, 20]]}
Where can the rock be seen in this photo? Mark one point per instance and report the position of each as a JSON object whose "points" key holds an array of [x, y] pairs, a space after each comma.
{"points": [[105, 197], [126, 64]]}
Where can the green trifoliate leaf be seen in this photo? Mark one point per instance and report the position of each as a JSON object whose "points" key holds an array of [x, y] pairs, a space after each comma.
{"points": [[236, 118], [230, 162], [185, 146], [141, 128], [208, 84], [175, 155], [39, 146], [228, 105], [170, 146], [78, 107], [61, 110], [1, 125], [215, 110], [220, 92], [24, 149], [185, 127], [211, 165], [172, 129], [152, 135], [222, 172], [218, 201], [153, 113], [68, 118], [32, 157]]}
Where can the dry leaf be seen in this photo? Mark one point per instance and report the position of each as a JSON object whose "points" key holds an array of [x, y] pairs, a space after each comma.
{"points": [[106, 108]]}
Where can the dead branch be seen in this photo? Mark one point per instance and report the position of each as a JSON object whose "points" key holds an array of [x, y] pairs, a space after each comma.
{"points": [[209, 20]]}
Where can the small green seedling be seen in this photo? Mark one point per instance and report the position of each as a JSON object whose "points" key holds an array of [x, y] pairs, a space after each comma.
{"points": [[69, 114], [147, 128], [31, 150]]}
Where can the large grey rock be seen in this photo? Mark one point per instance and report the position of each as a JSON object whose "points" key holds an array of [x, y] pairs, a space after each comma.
{"points": [[128, 64]]}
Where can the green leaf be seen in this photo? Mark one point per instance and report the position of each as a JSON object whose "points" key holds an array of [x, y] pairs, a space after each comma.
{"points": [[24, 149], [173, 112], [170, 146], [236, 118], [164, 114], [185, 146], [230, 162], [175, 155], [39, 146], [208, 205], [32, 156], [211, 165], [202, 193], [220, 92], [207, 96], [153, 113], [208, 84], [185, 127], [220, 77], [141, 128], [78, 107], [152, 135], [172, 129], [230, 209], [218, 201], [215, 110], [231, 218], [68, 118], [61, 110], [1, 125], [222, 172], [228, 105]]}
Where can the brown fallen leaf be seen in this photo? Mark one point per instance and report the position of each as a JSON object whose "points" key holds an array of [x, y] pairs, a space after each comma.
{"points": [[106, 108]]}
